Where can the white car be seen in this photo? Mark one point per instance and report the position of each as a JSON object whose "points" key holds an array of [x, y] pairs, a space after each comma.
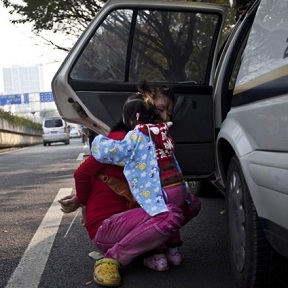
{"points": [[75, 133], [230, 116], [54, 129]]}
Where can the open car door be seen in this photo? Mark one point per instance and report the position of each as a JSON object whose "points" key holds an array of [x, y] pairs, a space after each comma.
{"points": [[165, 42]]}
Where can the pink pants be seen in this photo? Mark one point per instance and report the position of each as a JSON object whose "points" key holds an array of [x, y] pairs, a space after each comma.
{"points": [[127, 235], [190, 206]]}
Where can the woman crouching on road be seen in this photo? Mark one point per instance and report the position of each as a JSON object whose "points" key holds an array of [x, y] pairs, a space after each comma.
{"points": [[104, 206]]}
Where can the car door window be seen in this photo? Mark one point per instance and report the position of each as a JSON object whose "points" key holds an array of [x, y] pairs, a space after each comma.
{"points": [[105, 53], [172, 46], [159, 45]]}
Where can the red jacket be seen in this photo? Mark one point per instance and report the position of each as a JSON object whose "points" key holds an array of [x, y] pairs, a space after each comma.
{"points": [[101, 202]]}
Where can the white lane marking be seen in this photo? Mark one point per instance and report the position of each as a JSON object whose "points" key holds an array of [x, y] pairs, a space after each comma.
{"points": [[31, 266], [80, 157]]}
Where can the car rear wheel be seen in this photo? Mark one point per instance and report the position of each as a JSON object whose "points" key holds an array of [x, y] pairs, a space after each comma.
{"points": [[201, 188], [194, 187], [253, 261]]}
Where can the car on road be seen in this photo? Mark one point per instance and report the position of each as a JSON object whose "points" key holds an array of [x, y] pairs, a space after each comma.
{"points": [[230, 116], [74, 133], [54, 129]]}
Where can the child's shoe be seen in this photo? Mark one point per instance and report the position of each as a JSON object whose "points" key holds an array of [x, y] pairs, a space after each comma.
{"points": [[174, 257], [157, 262], [106, 272]]}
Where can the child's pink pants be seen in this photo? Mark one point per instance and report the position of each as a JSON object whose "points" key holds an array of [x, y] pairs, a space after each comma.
{"points": [[126, 235]]}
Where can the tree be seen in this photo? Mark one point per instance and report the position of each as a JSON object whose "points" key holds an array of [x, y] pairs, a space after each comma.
{"points": [[70, 17]]}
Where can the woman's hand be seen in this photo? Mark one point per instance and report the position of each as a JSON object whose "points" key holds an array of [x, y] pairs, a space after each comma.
{"points": [[69, 203]]}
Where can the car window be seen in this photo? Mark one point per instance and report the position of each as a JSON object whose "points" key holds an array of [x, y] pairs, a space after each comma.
{"points": [[104, 55], [172, 46], [237, 64], [263, 67], [49, 123]]}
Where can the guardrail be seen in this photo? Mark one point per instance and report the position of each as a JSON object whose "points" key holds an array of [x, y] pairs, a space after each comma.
{"points": [[17, 136]]}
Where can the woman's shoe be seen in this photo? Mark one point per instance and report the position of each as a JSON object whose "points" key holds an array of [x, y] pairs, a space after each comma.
{"points": [[106, 272], [174, 257], [157, 262]]}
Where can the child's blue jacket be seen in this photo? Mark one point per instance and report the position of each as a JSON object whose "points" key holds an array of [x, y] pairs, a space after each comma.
{"points": [[136, 153]]}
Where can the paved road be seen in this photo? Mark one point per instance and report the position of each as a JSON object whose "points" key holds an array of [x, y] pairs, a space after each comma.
{"points": [[32, 178]]}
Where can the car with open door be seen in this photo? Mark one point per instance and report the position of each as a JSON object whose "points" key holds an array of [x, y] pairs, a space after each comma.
{"points": [[225, 101]]}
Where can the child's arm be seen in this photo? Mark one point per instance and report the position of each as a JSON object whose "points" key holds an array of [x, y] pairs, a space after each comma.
{"points": [[115, 152]]}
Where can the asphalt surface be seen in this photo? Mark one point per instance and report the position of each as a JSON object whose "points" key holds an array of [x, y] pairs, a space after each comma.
{"points": [[32, 177]]}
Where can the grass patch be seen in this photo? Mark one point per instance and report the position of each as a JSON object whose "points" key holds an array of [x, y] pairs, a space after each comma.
{"points": [[19, 120]]}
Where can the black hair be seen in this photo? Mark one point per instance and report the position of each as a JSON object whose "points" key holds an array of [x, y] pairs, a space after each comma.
{"points": [[145, 88], [120, 126], [142, 104], [166, 91], [139, 108]]}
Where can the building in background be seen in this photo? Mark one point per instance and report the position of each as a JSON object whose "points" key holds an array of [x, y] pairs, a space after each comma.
{"points": [[24, 93], [23, 79]]}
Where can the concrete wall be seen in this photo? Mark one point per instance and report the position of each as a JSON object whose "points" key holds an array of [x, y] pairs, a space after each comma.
{"points": [[17, 136]]}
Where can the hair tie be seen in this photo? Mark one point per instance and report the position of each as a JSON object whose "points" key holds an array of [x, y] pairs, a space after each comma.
{"points": [[137, 116]]}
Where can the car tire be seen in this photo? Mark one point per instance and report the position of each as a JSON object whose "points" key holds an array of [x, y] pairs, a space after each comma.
{"points": [[201, 188], [254, 263], [194, 187]]}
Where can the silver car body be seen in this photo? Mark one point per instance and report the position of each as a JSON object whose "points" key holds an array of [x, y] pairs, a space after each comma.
{"points": [[256, 127]]}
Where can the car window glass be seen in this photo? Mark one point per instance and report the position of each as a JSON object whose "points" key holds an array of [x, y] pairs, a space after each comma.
{"points": [[58, 123], [261, 55], [105, 55], [172, 46], [49, 123], [236, 66]]}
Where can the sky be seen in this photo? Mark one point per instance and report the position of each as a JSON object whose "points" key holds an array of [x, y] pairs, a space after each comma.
{"points": [[20, 46]]}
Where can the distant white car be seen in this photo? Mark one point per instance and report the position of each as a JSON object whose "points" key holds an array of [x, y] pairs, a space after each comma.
{"points": [[54, 129], [74, 133]]}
